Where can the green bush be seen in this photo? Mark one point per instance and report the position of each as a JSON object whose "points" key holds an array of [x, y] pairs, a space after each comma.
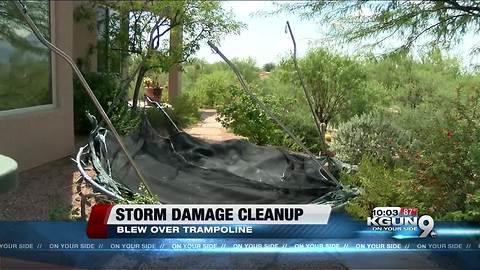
{"points": [[336, 83], [268, 67], [105, 86], [302, 124], [141, 197], [410, 82], [369, 134], [381, 186], [447, 160], [209, 90], [442, 171], [184, 112], [244, 117], [471, 210], [60, 213], [248, 68], [124, 119]]}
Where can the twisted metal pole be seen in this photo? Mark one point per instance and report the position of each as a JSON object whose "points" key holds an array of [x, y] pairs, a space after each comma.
{"points": [[23, 10], [307, 96]]}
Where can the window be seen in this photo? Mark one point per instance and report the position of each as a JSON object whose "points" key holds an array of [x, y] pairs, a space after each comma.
{"points": [[109, 57], [102, 39], [25, 63]]}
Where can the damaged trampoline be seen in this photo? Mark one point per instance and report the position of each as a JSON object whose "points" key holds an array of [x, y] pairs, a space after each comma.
{"points": [[183, 169]]}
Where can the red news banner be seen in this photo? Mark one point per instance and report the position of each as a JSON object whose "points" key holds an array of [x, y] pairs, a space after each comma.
{"points": [[116, 220]]}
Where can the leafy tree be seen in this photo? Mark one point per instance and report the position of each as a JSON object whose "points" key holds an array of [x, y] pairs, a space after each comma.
{"points": [[436, 22], [210, 89], [193, 69], [248, 68], [208, 83], [269, 67], [133, 22], [409, 82], [334, 81]]}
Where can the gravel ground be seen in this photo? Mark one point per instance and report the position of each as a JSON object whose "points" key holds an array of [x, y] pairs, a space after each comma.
{"points": [[41, 193], [48, 192]]}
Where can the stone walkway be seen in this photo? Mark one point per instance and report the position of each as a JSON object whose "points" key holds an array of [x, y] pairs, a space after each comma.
{"points": [[209, 129]]}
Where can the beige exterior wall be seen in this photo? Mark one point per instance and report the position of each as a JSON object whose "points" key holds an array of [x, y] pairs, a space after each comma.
{"points": [[35, 136]]}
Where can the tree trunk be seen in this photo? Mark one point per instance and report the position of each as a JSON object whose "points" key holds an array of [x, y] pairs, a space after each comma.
{"points": [[124, 43], [138, 85]]}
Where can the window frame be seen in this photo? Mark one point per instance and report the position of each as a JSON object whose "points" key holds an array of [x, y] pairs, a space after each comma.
{"points": [[53, 83]]}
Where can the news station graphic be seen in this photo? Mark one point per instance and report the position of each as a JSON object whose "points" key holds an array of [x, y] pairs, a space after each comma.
{"points": [[405, 222], [314, 238], [193, 221]]}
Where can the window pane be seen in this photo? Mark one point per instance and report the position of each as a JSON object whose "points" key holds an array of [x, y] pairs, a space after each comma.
{"points": [[25, 68], [102, 40], [109, 56]]}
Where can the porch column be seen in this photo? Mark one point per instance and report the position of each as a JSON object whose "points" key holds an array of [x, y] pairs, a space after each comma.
{"points": [[174, 75]]}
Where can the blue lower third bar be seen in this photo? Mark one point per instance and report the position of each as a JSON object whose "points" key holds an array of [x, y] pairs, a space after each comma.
{"points": [[228, 231]]}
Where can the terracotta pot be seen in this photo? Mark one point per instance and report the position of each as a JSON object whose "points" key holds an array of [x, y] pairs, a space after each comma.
{"points": [[157, 93], [149, 92]]}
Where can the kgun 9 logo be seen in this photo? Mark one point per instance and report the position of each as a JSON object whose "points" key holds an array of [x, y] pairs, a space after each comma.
{"points": [[400, 219]]}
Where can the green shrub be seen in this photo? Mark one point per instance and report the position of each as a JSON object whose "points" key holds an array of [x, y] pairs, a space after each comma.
{"points": [[124, 119], [268, 67], [335, 82], [105, 86], [442, 171], [447, 160], [184, 112], [208, 83], [471, 211], [60, 213], [209, 90], [58, 210], [248, 68], [141, 197], [244, 117], [302, 124], [410, 82], [369, 134], [382, 186], [275, 84]]}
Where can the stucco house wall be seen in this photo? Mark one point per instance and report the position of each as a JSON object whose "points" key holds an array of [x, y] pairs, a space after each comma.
{"points": [[34, 136]]}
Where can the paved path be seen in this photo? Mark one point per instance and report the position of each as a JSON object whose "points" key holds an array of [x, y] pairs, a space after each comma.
{"points": [[209, 129]]}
